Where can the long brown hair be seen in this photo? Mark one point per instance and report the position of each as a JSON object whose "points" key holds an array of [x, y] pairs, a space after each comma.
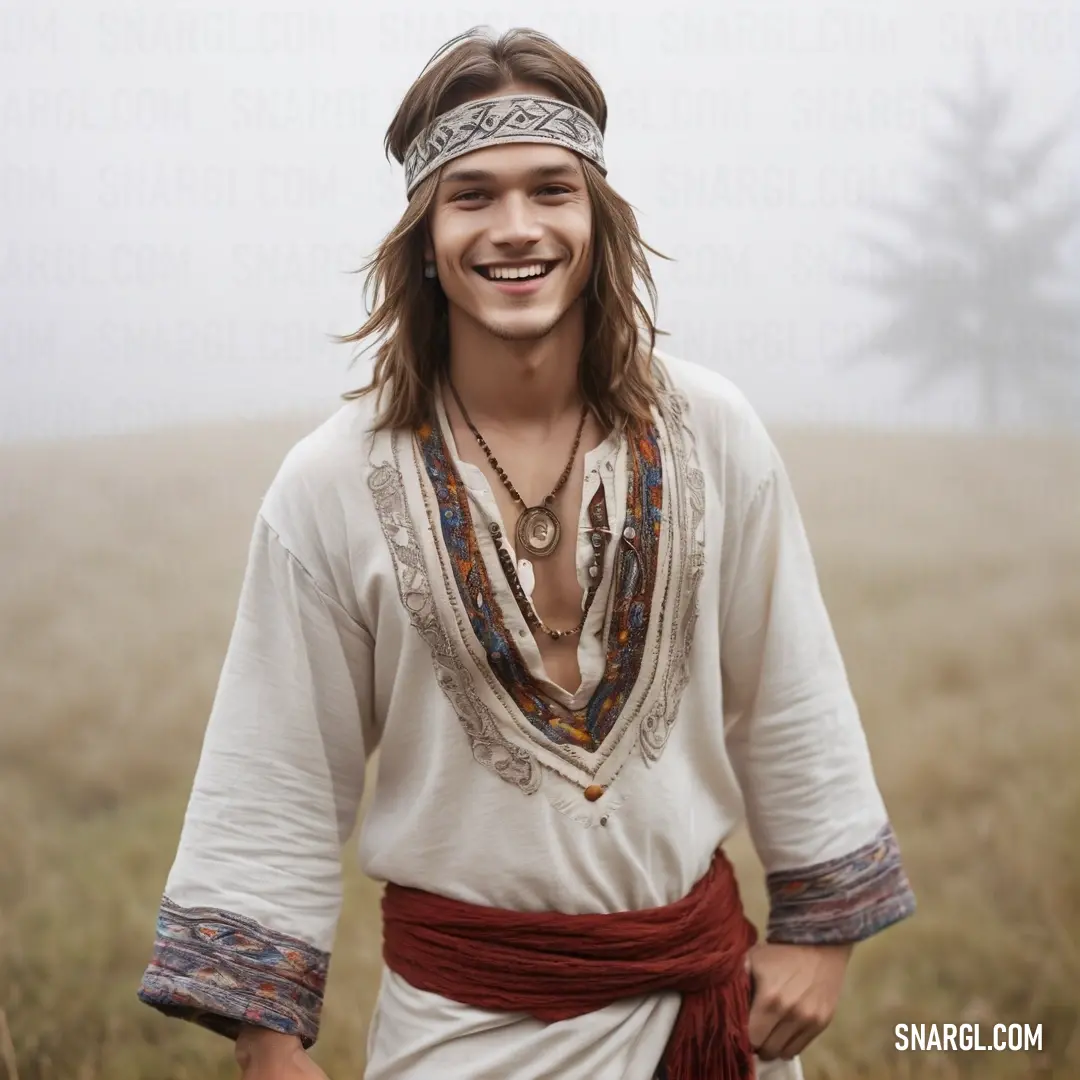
{"points": [[410, 314]]}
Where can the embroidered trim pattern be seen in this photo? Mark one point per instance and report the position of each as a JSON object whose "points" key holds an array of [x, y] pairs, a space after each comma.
{"points": [[489, 747], [222, 970], [689, 534], [670, 642], [635, 579], [843, 900]]}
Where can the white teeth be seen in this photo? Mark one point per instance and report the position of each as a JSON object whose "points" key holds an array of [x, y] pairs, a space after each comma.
{"points": [[514, 272]]}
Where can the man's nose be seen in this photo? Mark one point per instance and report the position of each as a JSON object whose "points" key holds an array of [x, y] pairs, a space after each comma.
{"points": [[517, 221]]}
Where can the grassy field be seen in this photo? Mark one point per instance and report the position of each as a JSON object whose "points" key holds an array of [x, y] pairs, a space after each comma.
{"points": [[951, 566]]}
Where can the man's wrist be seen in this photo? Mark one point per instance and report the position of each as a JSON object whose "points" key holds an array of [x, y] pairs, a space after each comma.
{"points": [[261, 1044]]}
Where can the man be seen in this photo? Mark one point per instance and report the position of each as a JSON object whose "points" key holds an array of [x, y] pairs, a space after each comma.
{"points": [[561, 583]]}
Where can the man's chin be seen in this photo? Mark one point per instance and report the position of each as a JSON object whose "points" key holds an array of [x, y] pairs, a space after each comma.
{"points": [[520, 332], [531, 328]]}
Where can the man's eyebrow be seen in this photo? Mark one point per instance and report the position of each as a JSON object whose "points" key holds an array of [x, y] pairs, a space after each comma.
{"points": [[484, 176]]}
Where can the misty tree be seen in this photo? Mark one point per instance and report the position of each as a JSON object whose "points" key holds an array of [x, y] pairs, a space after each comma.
{"points": [[978, 276]]}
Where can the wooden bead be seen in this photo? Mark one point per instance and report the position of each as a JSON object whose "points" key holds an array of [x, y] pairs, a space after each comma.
{"points": [[594, 791]]}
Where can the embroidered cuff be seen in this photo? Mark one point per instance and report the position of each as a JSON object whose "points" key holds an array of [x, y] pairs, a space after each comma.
{"points": [[843, 900], [221, 970]]}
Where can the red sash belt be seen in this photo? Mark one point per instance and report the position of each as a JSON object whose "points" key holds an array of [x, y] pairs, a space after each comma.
{"points": [[556, 966]]}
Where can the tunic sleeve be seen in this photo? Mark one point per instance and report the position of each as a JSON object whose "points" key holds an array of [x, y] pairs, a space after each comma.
{"points": [[815, 814], [246, 924]]}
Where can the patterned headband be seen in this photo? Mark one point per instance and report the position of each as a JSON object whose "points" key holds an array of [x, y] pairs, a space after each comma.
{"points": [[522, 118]]}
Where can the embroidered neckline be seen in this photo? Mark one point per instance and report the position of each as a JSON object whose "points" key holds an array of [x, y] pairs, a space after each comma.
{"points": [[635, 576]]}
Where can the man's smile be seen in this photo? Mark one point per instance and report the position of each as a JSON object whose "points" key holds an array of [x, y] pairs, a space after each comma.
{"points": [[518, 278]]}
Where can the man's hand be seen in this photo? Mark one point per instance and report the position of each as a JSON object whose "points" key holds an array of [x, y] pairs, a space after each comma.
{"points": [[796, 988], [268, 1055]]}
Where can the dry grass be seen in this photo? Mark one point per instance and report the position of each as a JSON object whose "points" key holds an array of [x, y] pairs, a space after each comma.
{"points": [[951, 566]]}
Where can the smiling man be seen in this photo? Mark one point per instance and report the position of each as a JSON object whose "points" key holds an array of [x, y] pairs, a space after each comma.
{"points": [[560, 582]]}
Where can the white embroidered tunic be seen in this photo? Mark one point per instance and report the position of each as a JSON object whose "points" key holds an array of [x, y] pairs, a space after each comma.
{"points": [[375, 615]]}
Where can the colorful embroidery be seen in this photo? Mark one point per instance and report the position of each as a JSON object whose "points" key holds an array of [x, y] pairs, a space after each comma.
{"points": [[222, 970], [489, 746], [635, 578], [842, 900], [680, 599]]}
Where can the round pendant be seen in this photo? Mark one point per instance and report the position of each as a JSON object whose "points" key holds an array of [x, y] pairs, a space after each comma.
{"points": [[538, 531]]}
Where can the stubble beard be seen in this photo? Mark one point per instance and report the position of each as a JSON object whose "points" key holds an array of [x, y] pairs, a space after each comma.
{"points": [[507, 332]]}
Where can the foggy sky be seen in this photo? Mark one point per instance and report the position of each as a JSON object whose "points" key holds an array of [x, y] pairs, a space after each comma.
{"points": [[184, 187]]}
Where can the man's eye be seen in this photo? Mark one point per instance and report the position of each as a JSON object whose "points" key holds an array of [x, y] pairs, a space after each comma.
{"points": [[474, 196]]}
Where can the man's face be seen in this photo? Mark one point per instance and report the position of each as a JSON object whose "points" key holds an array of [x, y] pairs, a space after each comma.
{"points": [[499, 214]]}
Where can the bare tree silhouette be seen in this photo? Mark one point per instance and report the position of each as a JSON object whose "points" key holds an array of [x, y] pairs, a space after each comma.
{"points": [[978, 285]]}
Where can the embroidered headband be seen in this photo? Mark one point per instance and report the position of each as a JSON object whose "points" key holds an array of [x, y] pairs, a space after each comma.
{"points": [[520, 118]]}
